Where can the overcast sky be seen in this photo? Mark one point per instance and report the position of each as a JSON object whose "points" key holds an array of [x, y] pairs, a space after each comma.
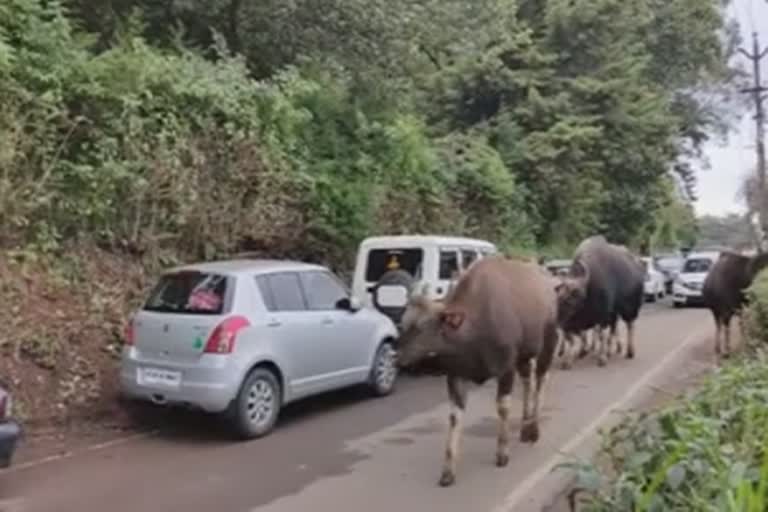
{"points": [[718, 186]]}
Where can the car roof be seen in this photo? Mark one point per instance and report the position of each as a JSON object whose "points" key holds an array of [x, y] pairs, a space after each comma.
{"points": [[704, 254], [248, 266], [384, 242]]}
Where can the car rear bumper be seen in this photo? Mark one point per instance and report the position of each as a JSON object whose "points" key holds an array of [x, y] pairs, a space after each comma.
{"points": [[209, 384], [10, 432], [684, 295]]}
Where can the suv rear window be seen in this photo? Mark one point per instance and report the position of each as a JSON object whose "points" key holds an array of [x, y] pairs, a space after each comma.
{"points": [[197, 293], [382, 260]]}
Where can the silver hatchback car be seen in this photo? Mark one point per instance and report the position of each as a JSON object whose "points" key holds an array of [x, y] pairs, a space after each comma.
{"points": [[245, 337]]}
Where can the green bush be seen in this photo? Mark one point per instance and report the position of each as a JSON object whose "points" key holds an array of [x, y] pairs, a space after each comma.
{"points": [[708, 452], [756, 315], [167, 153]]}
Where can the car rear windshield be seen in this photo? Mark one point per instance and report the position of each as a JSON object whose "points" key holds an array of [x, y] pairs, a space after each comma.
{"points": [[382, 260], [695, 265], [197, 293]]}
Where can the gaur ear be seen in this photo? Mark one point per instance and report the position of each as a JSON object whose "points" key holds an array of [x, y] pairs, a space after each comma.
{"points": [[451, 319]]}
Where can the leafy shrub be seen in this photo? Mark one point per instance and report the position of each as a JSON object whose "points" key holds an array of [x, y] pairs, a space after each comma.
{"points": [[756, 315], [168, 154], [708, 452]]}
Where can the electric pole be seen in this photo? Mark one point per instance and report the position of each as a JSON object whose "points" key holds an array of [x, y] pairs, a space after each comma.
{"points": [[758, 96]]}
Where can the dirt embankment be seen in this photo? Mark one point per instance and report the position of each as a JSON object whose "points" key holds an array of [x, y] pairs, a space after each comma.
{"points": [[62, 325]]}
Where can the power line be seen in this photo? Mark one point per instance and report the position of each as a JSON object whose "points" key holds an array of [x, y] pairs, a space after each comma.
{"points": [[757, 91]]}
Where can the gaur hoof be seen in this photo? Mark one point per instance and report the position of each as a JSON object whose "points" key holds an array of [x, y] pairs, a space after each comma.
{"points": [[630, 354], [529, 433], [565, 365], [726, 355], [447, 479], [601, 361], [584, 353], [502, 459]]}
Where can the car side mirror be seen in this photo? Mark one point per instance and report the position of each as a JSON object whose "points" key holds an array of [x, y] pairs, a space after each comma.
{"points": [[351, 304]]}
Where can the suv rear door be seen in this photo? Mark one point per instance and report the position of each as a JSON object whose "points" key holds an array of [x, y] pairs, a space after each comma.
{"points": [[447, 269]]}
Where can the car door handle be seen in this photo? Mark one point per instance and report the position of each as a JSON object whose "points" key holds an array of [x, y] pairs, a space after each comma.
{"points": [[274, 323], [327, 321]]}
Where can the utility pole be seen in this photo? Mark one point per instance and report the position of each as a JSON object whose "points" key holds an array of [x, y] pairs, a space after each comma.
{"points": [[758, 96]]}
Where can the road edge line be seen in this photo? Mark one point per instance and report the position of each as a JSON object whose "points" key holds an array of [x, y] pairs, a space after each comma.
{"points": [[69, 454], [520, 491]]}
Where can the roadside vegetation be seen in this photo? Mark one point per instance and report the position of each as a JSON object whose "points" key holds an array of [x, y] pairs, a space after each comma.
{"points": [[707, 451], [135, 134]]}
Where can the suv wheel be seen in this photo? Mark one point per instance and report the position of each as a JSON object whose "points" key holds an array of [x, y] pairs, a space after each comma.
{"points": [[254, 411], [384, 370]]}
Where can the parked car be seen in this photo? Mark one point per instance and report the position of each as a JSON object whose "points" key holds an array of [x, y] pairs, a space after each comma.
{"points": [[388, 268], [245, 337], [670, 265], [558, 267], [10, 430], [688, 283], [654, 281]]}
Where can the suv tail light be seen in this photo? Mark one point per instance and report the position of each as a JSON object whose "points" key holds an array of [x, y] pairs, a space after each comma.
{"points": [[129, 333], [222, 339]]}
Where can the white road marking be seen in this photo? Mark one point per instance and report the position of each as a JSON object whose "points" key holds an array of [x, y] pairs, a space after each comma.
{"points": [[91, 448], [513, 499]]}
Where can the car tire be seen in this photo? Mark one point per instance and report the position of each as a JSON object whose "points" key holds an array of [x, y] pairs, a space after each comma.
{"points": [[679, 305], [393, 277], [383, 375], [260, 390]]}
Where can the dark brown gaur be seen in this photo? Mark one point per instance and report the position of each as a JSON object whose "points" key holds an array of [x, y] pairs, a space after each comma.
{"points": [[500, 319], [724, 294], [604, 284]]}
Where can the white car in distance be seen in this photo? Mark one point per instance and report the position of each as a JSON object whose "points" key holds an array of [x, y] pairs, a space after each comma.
{"points": [[245, 337], [654, 280], [690, 279]]}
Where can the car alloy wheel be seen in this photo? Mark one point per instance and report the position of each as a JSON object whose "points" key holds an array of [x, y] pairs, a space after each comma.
{"points": [[384, 370], [260, 403], [257, 406]]}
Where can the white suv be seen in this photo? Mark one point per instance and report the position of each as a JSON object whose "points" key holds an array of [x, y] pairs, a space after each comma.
{"points": [[388, 268]]}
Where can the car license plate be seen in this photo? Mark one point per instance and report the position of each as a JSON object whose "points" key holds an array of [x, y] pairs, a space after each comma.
{"points": [[159, 378]]}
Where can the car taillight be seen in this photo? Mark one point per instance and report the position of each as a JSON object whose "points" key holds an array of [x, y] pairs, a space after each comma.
{"points": [[222, 339], [129, 333]]}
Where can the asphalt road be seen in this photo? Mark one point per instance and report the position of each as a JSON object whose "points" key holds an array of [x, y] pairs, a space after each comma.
{"points": [[346, 452]]}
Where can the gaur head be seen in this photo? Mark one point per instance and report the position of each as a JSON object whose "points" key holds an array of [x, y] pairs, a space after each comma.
{"points": [[572, 291], [426, 330]]}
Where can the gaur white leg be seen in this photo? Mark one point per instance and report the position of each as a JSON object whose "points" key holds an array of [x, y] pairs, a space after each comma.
{"points": [[529, 430], [630, 340], [568, 357], [457, 393], [727, 329], [601, 348], [503, 407], [742, 328], [561, 343], [718, 335], [586, 346], [615, 338]]}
